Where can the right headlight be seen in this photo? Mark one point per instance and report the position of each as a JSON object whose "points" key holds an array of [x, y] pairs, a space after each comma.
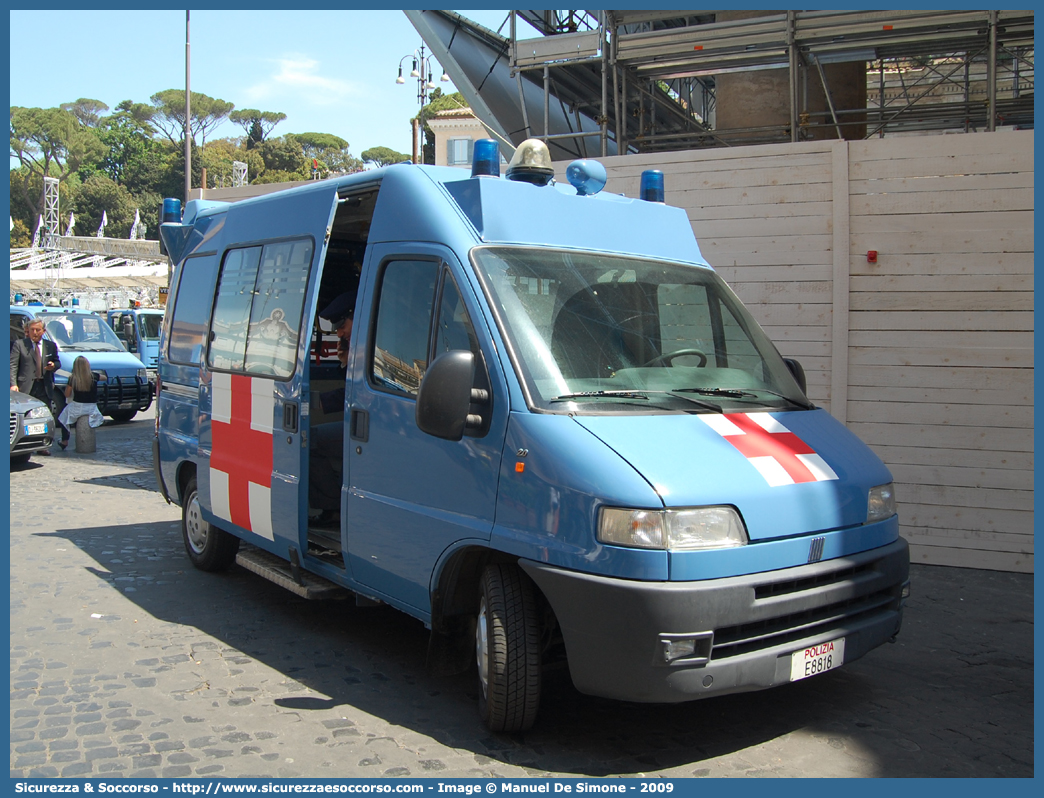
{"points": [[679, 530]]}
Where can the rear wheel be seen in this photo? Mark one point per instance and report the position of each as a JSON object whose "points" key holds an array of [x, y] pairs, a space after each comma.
{"points": [[122, 416], [507, 649], [209, 548]]}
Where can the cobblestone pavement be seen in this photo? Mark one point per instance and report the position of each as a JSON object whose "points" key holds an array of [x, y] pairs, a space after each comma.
{"points": [[126, 661]]}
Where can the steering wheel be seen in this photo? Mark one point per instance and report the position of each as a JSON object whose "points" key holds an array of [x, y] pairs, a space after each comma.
{"points": [[668, 358], [261, 368]]}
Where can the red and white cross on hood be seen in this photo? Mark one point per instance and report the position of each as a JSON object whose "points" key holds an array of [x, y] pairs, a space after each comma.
{"points": [[779, 455]]}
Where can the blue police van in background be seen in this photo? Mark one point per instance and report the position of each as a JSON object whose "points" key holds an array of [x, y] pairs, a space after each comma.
{"points": [[124, 388], [139, 329], [564, 437]]}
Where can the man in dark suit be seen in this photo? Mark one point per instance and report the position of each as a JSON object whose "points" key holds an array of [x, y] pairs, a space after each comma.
{"points": [[34, 360]]}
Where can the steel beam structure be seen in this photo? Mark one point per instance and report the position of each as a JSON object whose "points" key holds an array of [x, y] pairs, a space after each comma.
{"points": [[647, 80]]}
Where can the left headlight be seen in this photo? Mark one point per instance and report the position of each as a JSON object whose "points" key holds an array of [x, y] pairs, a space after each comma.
{"points": [[880, 503], [679, 530], [143, 374], [38, 412]]}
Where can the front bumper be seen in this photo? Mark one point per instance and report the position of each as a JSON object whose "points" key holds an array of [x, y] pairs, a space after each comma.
{"points": [[745, 627], [27, 444], [124, 393]]}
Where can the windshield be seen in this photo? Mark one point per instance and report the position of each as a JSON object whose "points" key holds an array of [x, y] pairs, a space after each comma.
{"points": [[81, 332], [149, 324], [595, 333]]}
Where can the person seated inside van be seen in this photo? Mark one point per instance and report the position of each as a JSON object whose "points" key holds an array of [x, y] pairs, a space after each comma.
{"points": [[325, 455]]}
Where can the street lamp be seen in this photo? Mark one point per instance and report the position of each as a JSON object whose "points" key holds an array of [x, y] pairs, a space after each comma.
{"points": [[422, 72]]}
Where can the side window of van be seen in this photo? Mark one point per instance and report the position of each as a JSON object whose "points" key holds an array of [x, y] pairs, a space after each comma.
{"points": [[191, 309], [453, 330], [257, 313], [404, 311]]}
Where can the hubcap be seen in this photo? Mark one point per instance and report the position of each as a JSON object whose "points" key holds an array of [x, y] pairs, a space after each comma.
{"points": [[481, 647], [196, 529]]}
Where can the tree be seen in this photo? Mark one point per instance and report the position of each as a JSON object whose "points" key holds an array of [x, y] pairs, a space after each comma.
{"points": [[49, 142], [21, 236], [257, 124], [383, 156], [99, 194], [285, 155], [88, 112], [140, 115], [331, 153], [207, 113], [128, 137]]}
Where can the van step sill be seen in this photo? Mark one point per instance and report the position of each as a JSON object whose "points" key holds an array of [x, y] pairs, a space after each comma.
{"points": [[277, 570]]}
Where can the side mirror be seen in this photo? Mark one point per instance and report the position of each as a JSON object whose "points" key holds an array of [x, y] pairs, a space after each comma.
{"points": [[798, 373], [444, 397]]}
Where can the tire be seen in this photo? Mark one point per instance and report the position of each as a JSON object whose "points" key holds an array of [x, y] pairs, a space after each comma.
{"points": [[122, 416], [20, 459], [209, 548], [507, 649]]}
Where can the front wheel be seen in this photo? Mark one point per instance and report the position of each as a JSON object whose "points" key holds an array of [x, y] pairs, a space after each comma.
{"points": [[122, 416], [507, 649], [209, 548]]}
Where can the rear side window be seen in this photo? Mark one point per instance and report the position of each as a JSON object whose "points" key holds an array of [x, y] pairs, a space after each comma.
{"points": [[191, 310], [257, 312]]}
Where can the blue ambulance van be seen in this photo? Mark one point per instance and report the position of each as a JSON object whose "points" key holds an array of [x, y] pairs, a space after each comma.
{"points": [[562, 437]]}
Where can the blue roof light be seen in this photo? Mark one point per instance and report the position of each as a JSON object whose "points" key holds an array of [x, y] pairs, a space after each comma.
{"points": [[652, 185], [587, 177], [485, 161], [171, 211]]}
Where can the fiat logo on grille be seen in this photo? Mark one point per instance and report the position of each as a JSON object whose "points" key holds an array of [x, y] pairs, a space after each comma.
{"points": [[815, 551]]}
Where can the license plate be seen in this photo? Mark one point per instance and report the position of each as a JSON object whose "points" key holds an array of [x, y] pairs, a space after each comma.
{"points": [[817, 659], [35, 429]]}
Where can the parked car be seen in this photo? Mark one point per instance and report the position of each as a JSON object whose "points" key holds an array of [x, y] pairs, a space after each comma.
{"points": [[124, 387], [32, 427]]}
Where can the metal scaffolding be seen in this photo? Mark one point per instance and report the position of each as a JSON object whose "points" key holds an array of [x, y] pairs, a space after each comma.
{"points": [[650, 79]]}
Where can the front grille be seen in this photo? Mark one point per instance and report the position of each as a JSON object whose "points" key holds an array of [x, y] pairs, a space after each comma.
{"points": [[820, 580], [118, 390], [14, 424], [744, 638]]}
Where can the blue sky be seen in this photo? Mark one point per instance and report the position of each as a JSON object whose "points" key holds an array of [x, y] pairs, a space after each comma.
{"points": [[328, 71]]}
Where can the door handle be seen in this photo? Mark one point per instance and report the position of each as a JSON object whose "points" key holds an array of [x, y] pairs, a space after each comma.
{"points": [[290, 417], [359, 428]]}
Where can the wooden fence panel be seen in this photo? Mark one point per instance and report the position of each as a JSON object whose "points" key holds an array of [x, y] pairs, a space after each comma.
{"points": [[926, 353]]}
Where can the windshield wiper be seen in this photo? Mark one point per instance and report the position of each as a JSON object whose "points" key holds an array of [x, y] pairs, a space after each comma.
{"points": [[730, 393], [700, 402], [795, 402], [595, 394], [736, 393]]}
